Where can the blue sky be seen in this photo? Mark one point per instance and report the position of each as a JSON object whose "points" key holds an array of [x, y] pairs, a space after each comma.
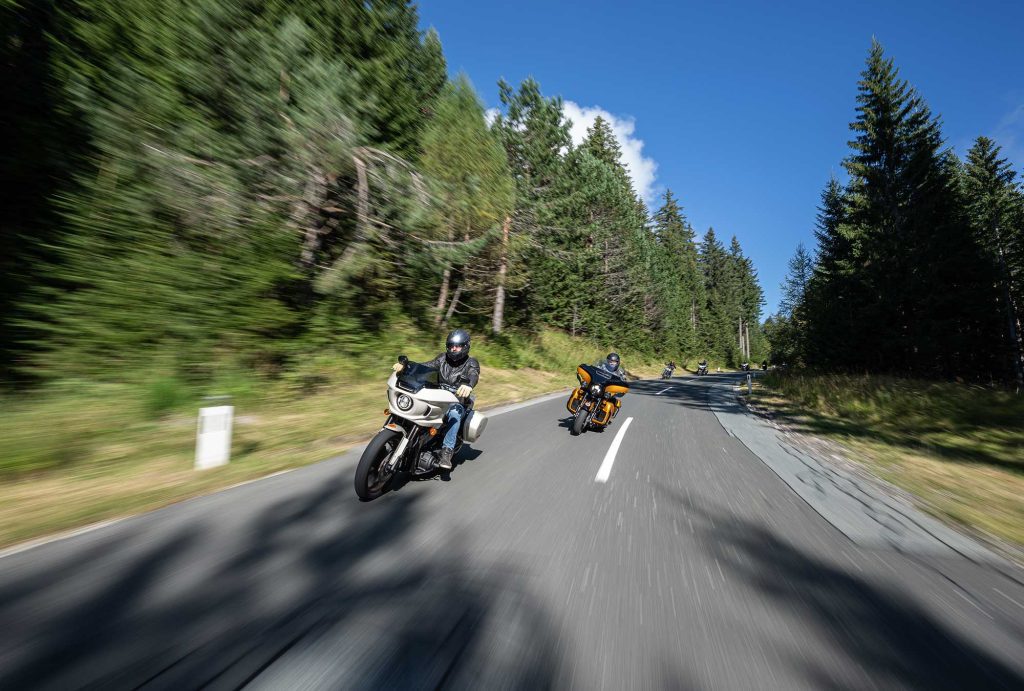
{"points": [[742, 108]]}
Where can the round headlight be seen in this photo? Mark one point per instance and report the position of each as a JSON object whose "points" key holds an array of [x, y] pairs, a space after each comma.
{"points": [[596, 390], [403, 402]]}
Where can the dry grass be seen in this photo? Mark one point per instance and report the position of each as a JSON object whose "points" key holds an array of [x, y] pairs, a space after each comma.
{"points": [[145, 465], [959, 449], [87, 452]]}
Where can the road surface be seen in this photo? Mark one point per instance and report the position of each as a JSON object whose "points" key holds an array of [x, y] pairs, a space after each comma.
{"points": [[695, 564]]}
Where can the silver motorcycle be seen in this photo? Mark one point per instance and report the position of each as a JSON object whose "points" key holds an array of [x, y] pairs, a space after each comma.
{"points": [[410, 440]]}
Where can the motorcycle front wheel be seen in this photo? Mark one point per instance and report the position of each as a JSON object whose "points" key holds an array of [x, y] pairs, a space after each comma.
{"points": [[579, 421], [370, 481]]}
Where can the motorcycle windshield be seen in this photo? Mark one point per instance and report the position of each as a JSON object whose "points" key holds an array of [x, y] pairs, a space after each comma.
{"points": [[416, 376], [599, 375]]}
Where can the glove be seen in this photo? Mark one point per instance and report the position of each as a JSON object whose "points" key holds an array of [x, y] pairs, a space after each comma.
{"points": [[464, 391], [398, 367]]}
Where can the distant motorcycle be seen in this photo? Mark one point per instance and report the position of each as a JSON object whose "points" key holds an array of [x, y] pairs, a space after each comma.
{"points": [[594, 403], [702, 369], [745, 367], [409, 441], [667, 372]]}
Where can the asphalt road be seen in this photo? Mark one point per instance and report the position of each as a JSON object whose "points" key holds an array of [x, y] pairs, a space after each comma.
{"points": [[696, 565]]}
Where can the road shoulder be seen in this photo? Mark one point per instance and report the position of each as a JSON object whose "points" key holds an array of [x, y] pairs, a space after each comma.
{"points": [[867, 510]]}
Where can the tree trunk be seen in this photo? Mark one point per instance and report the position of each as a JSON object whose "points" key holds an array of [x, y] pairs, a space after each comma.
{"points": [[313, 195], [740, 332], [1012, 324], [574, 313], [451, 307], [442, 297], [499, 296], [362, 214]]}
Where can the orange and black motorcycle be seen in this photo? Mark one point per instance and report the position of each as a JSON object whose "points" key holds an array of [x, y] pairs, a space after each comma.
{"points": [[597, 400]]}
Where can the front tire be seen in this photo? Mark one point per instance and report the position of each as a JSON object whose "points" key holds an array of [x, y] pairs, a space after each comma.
{"points": [[370, 483], [579, 421]]}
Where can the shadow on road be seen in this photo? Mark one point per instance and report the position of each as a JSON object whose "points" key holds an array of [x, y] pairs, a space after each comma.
{"points": [[888, 640], [322, 587], [714, 392]]}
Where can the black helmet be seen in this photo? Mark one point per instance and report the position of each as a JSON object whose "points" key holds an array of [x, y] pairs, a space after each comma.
{"points": [[457, 346], [613, 359]]}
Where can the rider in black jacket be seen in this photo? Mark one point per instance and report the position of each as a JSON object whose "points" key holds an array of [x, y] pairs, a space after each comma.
{"points": [[454, 368]]}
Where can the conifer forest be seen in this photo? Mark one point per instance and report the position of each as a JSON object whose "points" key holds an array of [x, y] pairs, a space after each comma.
{"points": [[199, 182]]}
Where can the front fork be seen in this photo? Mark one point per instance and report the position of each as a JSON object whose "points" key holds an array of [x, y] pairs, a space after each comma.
{"points": [[407, 437]]}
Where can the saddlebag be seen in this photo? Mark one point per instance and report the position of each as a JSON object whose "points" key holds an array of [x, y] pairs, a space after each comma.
{"points": [[473, 426]]}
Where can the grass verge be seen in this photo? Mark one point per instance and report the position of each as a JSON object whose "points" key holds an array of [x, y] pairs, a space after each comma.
{"points": [[958, 448], [82, 452]]}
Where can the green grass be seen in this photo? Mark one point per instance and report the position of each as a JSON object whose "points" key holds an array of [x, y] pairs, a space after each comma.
{"points": [[960, 448], [79, 452]]}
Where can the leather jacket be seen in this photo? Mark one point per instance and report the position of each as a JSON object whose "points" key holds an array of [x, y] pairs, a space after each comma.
{"points": [[468, 372]]}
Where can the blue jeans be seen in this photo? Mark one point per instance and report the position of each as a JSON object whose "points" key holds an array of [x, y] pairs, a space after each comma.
{"points": [[452, 422]]}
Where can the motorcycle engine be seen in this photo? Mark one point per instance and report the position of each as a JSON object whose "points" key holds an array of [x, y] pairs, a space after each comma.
{"points": [[426, 461]]}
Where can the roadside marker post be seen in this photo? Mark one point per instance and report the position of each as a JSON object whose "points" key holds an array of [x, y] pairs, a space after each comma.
{"points": [[750, 386], [213, 434]]}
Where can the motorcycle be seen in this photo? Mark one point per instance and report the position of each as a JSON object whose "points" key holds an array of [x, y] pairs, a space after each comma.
{"points": [[667, 372], [745, 367], [410, 440], [593, 404], [702, 369]]}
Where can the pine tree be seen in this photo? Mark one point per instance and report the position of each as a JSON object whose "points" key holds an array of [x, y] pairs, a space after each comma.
{"points": [[833, 296], [993, 205], [534, 133], [41, 142], [679, 281], [467, 162], [602, 144], [718, 331], [905, 229], [746, 298], [794, 287], [788, 327]]}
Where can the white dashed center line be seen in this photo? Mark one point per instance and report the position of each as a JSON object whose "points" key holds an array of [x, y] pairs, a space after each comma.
{"points": [[605, 471]]}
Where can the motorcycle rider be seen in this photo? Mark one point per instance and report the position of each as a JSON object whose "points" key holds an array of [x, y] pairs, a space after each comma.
{"points": [[703, 364], [454, 368], [613, 364]]}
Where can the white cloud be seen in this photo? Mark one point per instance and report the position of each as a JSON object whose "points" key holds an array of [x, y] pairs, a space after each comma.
{"points": [[490, 115], [642, 170]]}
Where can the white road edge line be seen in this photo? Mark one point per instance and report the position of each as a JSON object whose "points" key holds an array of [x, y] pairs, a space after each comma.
{"points": [[605, 471], [663, 390]]}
